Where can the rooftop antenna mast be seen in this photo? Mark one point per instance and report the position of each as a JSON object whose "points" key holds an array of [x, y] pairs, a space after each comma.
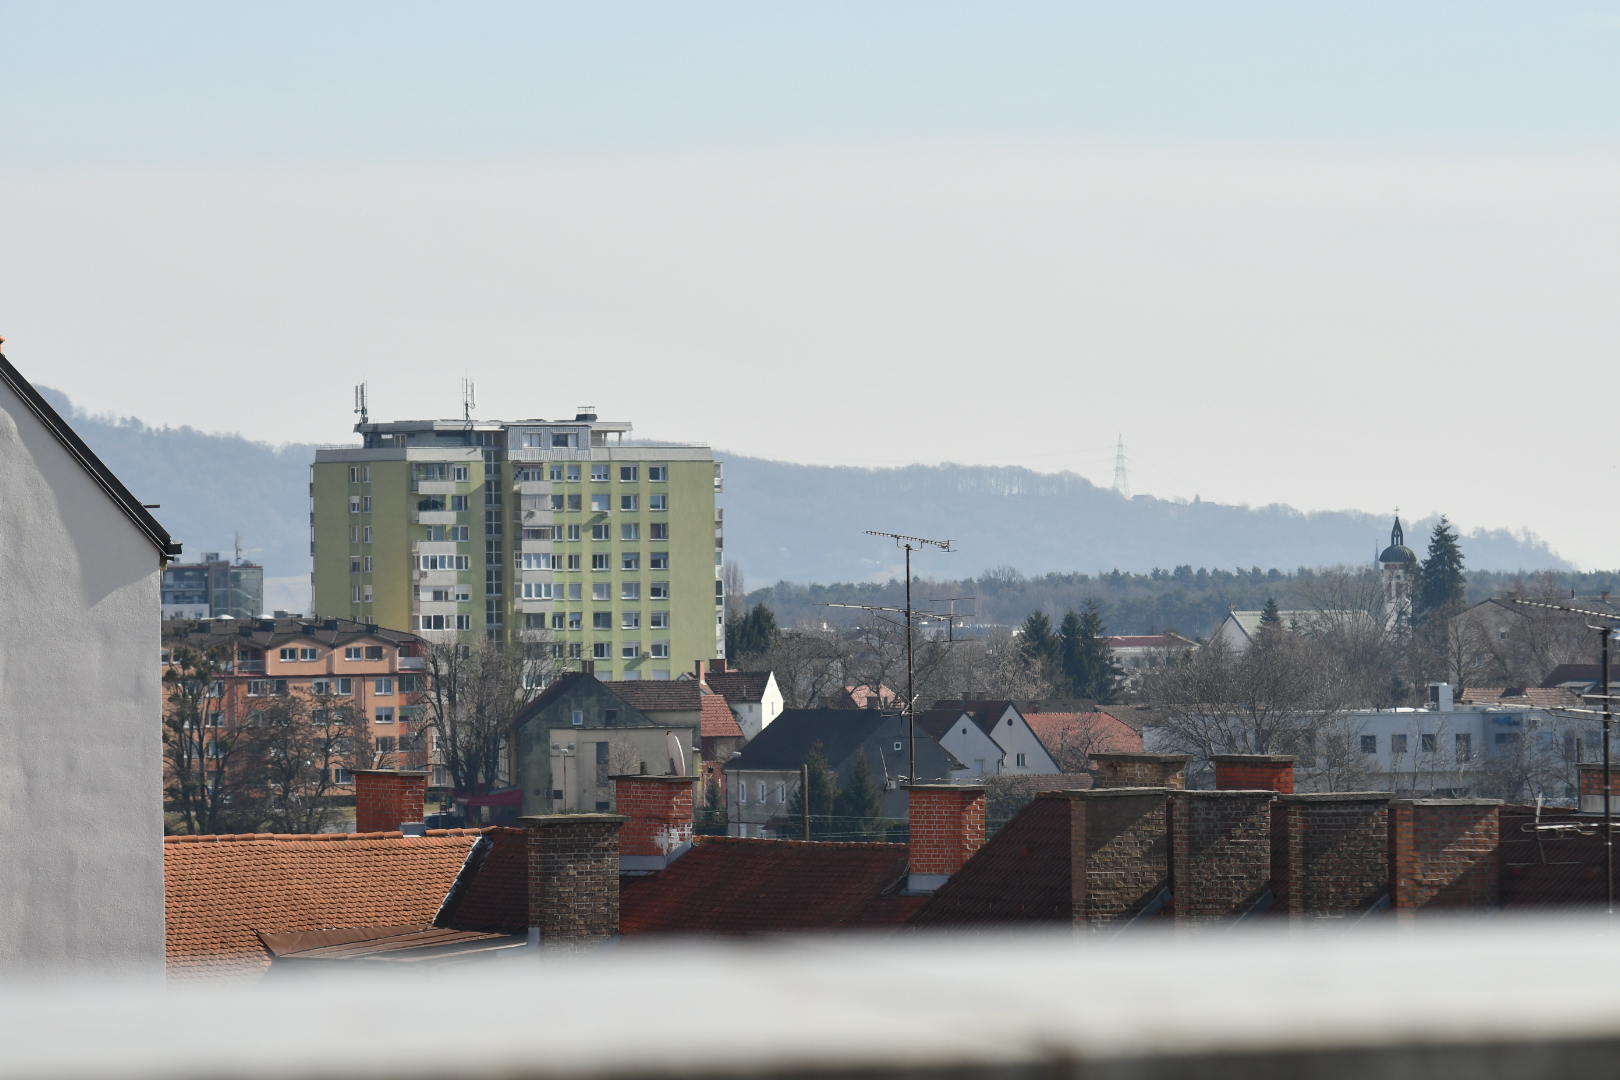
{"points": [[238, 549], [469, 399], [1605, 631], [360, 403], [1122, 483], [910, 543]]}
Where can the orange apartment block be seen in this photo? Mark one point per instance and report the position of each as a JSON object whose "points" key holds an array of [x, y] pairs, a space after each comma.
{"points": [[377, 673]]}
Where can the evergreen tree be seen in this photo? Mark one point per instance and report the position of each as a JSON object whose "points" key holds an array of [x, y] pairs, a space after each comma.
{"points": [[1440, 582], [755, 634], [1269, 615], [1099, 673], [823, 799], [1040, 644], [1071, 650], [858, 807]]}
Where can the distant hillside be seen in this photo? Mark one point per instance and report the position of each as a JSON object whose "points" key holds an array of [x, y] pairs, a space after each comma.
{"points": [[804, 523], [800, 523]]}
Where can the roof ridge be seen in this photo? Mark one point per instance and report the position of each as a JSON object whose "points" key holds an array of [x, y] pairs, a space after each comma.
{"points": [[234, 838], [875, 845]]}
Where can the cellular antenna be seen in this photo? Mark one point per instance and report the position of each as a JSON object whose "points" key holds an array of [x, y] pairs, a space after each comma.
{"points": [[469, 399], [360, 402], [1122, 483]]}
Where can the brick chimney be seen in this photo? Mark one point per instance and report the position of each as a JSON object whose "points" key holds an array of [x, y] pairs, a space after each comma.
{"points": [[573, 878], [1592, 788], [658, 813], [385, 799], [718, 667], [1254, 772], [700, 669], [947, 827], [1444, 853], [1122, 770]]}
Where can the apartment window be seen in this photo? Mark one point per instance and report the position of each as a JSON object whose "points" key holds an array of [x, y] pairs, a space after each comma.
{"points": [[629, 502], [601, 620], [657, 503], [658, 560], [441, 562], [542, 533], [660, 530], [216, 688], [599, 474], [631, 590], [631, 621], [660, 620], [631, 650], [660, 590], [411, 684], [556, 620], [533, 440], [575, 650], [556, 472], [493, 615], [463, 622], [354, 475], [365, 564], [289, 654], [493, 583], [459, 533], [660, 650], [742, 794], [365, 594], [556, 502], [576, 620], [1465, 747], [1429, 743], [657, 474], [601, 590], [1023, 761], [1369, 744], [573, 533], [383, 687], [578, 717], [602, 650], [385, 744], [565, 440], [574, 562], [354, 564], [492, 523], [354, 534], [1397, 744], [258, 687], [460, 503], [1506, 738], [601, 532], [463, 593], [431, 472], [630, 530], [529, 476], [461, 474], [599, 504], [384, 716], [573, 503], [574, 591], [781, 792], [354, 504], [365, 534], [537, 590], [762, 791], [431, 622], [321, 687], [629, 474], [535, 561], [573, 474], [354, 594], [630, 560], [601, 561]]}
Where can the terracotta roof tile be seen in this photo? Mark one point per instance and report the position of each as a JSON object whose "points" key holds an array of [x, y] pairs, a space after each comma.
{"points": [[1021, 874], [726, 885], [1087, 731], [1537, 697], [493, 892], [718, 720], [220, 890]]}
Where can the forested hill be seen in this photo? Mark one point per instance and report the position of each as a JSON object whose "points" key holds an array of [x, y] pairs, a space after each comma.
{"points": [[805, 523], [801, 523], [1190, 601]]}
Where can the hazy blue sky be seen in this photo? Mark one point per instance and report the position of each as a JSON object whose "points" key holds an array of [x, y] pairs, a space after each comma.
{"points": [[1349, 255]]}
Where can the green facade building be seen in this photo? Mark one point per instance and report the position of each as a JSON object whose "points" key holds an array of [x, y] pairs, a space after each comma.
{"points": [[446, 527]]}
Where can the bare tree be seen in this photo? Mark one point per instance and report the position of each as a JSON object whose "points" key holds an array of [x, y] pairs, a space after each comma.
{"points": [[1349, 619], [474, 687], [213, 758], [731, 576], [310, 744], [809, 662], [1285, 694]]}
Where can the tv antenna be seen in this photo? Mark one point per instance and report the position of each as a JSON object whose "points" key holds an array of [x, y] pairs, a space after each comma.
{"points": [[1122, 483], [360, 402], [910, 544], [1605, 631], [469, 399]]}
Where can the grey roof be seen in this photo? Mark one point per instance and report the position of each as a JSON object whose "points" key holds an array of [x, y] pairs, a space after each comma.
{"points": [[662, 695], [269, 633], [739, 686], [786, 742]]}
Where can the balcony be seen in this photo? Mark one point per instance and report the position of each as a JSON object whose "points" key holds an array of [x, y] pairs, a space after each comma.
{"points": [[417, 663], [244, 667], [433, 517], [433, 487]]}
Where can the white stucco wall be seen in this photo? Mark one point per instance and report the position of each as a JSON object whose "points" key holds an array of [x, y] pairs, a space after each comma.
{"points": [[1013, 733], [81, 811]]}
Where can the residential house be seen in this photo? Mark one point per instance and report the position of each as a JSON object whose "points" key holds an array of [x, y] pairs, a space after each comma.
{"points": [[1071, 730], [687, 703], [213, 587], [1138, 654], [753, 696], [964, 738], [332, 664], [82, 751], [762, 779], [566, 743], [1239, 629], [1018, 750]]}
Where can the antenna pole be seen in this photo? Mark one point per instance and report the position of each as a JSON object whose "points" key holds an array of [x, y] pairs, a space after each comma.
{"points": [[1608, 795], [911, 678], [804, 797]]}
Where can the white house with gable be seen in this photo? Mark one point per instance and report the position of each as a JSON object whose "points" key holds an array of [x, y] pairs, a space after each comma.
{"points": [[81, 703], [991, 737]]}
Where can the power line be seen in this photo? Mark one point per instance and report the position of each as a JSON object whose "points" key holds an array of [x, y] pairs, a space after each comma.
{"points": [[1122, 483]]}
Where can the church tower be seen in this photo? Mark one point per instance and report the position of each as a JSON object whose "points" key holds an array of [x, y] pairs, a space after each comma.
{"points": [[1399, 571]]}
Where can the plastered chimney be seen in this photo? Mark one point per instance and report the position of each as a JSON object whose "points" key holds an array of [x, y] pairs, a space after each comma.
{"points": [[658, 813]]}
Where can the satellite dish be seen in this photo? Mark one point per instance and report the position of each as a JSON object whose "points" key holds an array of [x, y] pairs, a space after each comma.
{"points": [[677, 758]]}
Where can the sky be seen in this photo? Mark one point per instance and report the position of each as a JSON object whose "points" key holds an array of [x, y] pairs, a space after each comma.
{"points": [[1340, 256]]}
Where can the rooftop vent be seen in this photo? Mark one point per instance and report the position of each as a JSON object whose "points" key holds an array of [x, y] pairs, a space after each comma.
{"points": [[585, 412]]}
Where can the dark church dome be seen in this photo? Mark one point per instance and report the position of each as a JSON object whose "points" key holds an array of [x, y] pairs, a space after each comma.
{"points": [[1397, 553]]}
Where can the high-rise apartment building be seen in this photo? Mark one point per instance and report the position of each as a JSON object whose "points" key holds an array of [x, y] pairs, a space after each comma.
{"points": [[441, 527], [212, 588]]}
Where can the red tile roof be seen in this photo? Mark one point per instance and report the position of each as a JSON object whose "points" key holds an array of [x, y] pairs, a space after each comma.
{"points": [[220, 890], [1536, 697], [1090, 732], [1022, 874], [726, 885], [718, 720], [492, 893]]}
